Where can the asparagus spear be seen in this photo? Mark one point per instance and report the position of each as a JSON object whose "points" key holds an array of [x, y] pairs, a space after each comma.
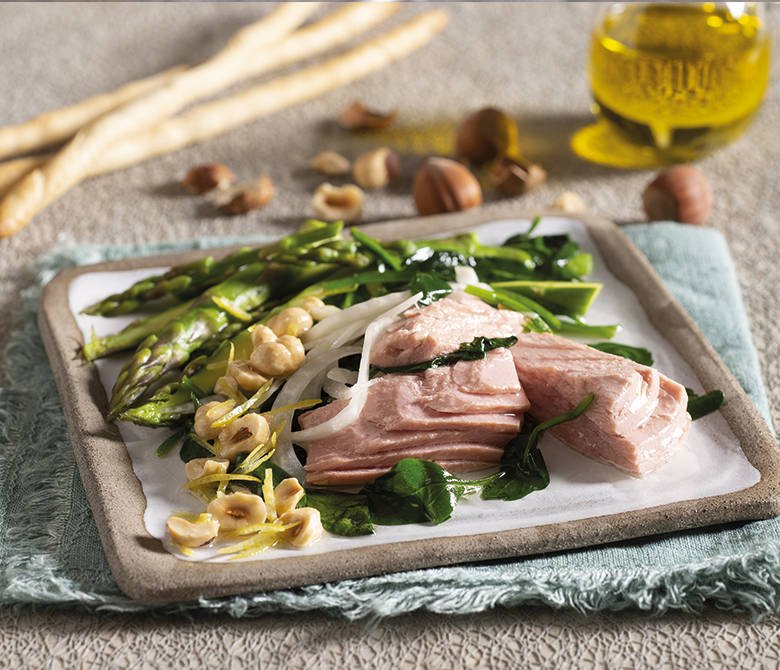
{"points": [[179, 283], [130, 336], [212, 312], [183, 282]]}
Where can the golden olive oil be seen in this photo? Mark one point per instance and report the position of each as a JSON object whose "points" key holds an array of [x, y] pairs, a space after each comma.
{"points": [[680, 78]]}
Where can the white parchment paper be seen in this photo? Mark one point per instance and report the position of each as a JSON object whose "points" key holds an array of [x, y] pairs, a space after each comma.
{"points": [[712, 464]]}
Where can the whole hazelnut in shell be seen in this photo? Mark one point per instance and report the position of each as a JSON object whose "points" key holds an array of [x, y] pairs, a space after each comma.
{"points": [[442, 185], [485, 135], [679, 193]]}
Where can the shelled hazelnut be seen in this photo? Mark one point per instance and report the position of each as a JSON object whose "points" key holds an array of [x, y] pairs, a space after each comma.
{"points": [[679, 193], [330, 163], [333, 203], [377, 168], [443, 185]]}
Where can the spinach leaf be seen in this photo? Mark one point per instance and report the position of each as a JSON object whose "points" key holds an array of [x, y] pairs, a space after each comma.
{"points": [[468, 351], [341, 513], [414, 491], [432, 286], [702, 405], [523, 469], [636, 354], [278, 474], [555, 256], [191, 448]]}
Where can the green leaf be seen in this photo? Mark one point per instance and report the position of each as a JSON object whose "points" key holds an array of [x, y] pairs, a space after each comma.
{"points": [[432, 286], [342, 514], [170, 442], [414, 491], [190, 448], [523, 469], [636, 354], [475, 350], [702, 405]]}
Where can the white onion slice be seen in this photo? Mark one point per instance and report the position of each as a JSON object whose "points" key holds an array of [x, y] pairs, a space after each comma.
{"points": [[343, 375], [352, 410], [314, 366], [362, 312], [465, 275]]}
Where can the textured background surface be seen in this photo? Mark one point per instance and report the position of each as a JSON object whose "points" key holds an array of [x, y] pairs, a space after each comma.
{"points": [[527, 58]]}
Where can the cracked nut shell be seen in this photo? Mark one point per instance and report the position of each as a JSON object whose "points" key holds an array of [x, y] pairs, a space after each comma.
{"points": [[246, 197], [359, 117], [515, 177], [443, 185], [204, 178]]}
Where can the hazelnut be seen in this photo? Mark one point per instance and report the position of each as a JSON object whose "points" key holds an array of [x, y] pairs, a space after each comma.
{"points": [[376, 168], [443, 185], [512, 176], [358, 117], [680, 193], [205, 178], [248, 196], [570, 202], [485, 135], [337, 203], [330, 163]]}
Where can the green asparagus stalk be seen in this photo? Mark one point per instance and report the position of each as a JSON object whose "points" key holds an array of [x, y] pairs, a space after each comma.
{"points": [[212, 312], [179, 283], [130, 336], [187, 281]]}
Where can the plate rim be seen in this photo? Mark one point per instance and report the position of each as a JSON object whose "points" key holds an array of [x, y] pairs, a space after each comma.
{"points": [[146, 572]]}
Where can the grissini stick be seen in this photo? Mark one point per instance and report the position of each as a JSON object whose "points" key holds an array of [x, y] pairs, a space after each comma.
{"points": [[221, 70], [211, 119], [334, 29], [61, 124]]}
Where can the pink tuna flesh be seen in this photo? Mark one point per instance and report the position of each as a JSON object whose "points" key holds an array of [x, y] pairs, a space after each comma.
{"points": [[415, 416], [441, 328], [638, 419]]}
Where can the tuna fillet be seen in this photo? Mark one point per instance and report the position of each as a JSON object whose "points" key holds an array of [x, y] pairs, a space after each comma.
{"points": [[441, 328], [638, 419], [460, 416]]}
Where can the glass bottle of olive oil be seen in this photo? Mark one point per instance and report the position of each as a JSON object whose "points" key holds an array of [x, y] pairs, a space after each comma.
{"points": [[673, 81]]}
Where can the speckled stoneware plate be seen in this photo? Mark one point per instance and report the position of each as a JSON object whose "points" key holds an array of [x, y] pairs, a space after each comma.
{"points": [[729, 472]]}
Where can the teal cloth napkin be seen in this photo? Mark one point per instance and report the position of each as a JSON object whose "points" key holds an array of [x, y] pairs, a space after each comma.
{"points": [[50, 552]]}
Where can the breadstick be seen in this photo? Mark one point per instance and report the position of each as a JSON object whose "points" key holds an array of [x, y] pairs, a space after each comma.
{"points": [[61, 124], [43, 185], [333, 30], [211, 119], [214, 118], [12, 171]]}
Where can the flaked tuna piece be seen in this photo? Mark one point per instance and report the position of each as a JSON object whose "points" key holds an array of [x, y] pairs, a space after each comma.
{"points": [[626, 392], [401, 419], [473, 452], [638, 419], [358, 477], [442, 327]]}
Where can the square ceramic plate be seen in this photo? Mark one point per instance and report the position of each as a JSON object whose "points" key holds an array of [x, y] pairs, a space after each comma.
{"points": [[729, 471]]}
